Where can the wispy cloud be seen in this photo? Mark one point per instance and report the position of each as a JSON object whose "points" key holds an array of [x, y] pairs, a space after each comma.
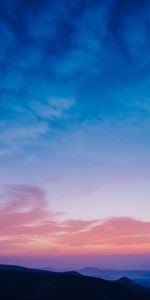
{"points": [[53, 108], [19, 132], [5, 151], [31, 122]]}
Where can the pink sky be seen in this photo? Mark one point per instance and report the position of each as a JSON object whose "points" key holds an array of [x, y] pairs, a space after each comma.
{"points": [[29, 228]]}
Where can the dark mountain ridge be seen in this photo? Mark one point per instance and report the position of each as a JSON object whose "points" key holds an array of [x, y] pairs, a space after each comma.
{"points": [[17, 283]]}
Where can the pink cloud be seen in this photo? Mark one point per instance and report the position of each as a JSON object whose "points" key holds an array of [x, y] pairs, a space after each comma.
{"points": [[28, 226], [115, 235]]}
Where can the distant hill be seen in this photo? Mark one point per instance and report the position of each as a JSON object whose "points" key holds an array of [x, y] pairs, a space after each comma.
{"points": [[18, 283], [128, 283], [124, 281], [138, 276]]}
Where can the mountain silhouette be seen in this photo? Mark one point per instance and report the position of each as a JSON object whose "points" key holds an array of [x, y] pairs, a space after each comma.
{"points": [[17, 283], [127, 282], [138, 276], [124, 281]]}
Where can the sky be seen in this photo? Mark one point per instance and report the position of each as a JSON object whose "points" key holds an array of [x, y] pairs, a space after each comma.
{"points": [[75, 133]]}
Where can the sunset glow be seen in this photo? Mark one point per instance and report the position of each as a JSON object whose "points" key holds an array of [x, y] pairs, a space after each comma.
{"points": [[75, 133]]}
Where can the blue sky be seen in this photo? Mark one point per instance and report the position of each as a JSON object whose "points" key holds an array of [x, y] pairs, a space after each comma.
{"points": [[75, 106]]}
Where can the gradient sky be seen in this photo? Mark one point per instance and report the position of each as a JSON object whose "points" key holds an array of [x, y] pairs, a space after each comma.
{"points": [[75, 133]]}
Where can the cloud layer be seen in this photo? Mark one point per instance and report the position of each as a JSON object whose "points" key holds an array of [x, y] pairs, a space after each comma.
{"points": [[28, 226]]}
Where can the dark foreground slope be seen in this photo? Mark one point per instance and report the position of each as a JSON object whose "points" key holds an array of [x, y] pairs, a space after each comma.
{"points": [[24, 284]]}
